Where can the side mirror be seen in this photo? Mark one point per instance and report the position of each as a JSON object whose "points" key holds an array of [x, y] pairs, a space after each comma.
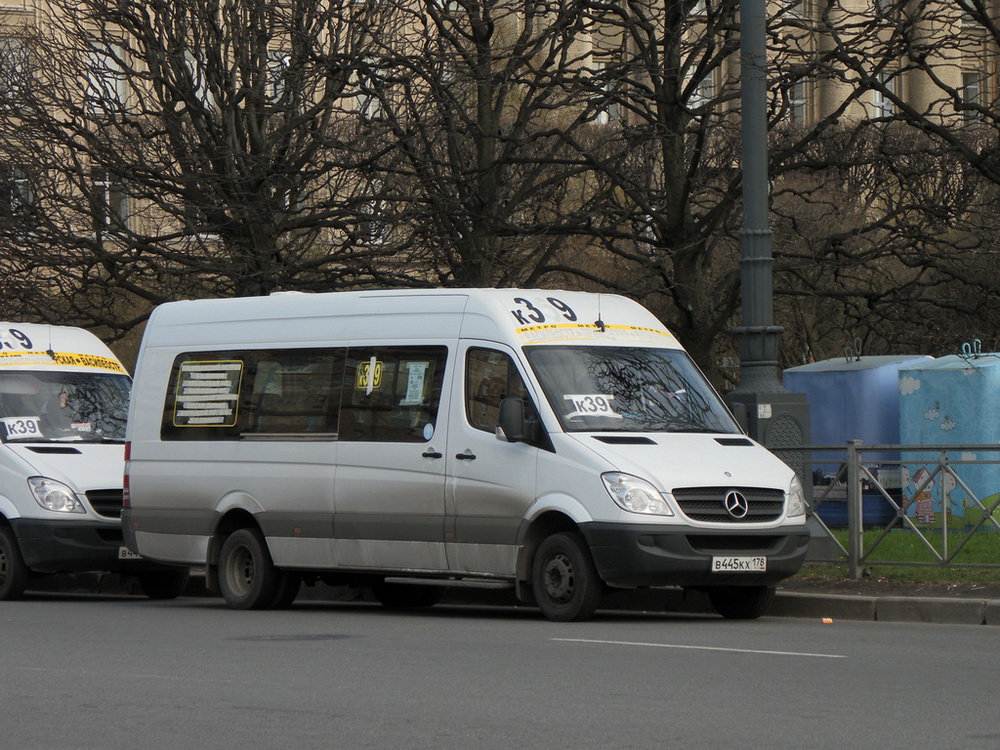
{"points": [[510, 420]]}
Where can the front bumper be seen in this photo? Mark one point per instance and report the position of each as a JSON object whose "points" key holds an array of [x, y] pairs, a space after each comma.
{"points": [[74, 546], [638, 555]]}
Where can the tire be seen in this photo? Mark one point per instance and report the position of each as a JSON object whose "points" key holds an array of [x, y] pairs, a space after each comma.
{"points": [[407, 596], [247, 576], [164, 584], [564, 579], [14, 574], [741, 602], [286, 591]]}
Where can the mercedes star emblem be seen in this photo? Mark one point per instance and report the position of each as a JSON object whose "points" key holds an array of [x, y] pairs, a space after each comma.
{"points": [[736, 504]]}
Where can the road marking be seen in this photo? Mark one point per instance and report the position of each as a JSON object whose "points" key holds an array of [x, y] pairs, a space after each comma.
{"points": [[703, 648]]}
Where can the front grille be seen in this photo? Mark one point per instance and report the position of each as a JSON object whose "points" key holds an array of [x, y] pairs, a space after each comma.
{"points": [[107, 503], [708, 504]]}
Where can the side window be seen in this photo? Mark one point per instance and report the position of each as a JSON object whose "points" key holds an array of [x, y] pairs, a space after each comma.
{"points": [[392, 393], [229, 395], [490, 376], [295, 392]]}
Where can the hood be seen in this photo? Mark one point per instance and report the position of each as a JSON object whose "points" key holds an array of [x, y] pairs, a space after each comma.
{"points": [[671, 460], [82, 466]]}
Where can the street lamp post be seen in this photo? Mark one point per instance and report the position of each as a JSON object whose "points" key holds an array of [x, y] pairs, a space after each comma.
{"points": [[771, 415]]}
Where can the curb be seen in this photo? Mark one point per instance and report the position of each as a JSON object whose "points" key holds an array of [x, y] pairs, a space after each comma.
{"points": [[941, 610]]}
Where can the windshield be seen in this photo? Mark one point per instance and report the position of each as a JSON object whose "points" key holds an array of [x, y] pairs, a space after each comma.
{"points": [[628, 389], [57, 406]]}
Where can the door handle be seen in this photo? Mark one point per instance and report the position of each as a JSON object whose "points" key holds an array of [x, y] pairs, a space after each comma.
{"points": [[432, 454], [467, 456]]}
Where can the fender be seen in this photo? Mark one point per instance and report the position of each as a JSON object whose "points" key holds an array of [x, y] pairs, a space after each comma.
{"points": [[560, 503], [551, 512], [8, 509], [238, 500]]}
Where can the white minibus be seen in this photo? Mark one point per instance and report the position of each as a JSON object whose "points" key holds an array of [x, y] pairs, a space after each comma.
{"points": [[63, 403], [562, 443]]}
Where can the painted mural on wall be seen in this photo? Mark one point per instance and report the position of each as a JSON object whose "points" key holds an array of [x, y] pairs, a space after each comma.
{"points": [[946, 402]]}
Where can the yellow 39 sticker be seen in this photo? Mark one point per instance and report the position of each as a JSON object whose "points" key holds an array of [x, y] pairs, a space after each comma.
{"points": [[369, 375]]}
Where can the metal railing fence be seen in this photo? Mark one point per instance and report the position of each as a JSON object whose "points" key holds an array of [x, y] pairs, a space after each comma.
{"points": [[943, 494]]}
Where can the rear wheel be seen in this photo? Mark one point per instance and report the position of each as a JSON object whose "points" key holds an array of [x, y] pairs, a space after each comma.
{"points": [[164, 584], [14, 574], [407, 596], [247, 576], [741, 602], [564, 579]]}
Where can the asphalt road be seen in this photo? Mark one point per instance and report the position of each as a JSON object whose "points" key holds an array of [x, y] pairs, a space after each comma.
{"points": [[117, 672]]}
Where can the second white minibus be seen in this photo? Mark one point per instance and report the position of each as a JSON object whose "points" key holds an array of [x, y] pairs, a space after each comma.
{"points": [[63, 403]]}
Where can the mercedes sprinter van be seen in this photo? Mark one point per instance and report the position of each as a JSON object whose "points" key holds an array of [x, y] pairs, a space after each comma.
{"points": [[562, 443], [63, 403]]}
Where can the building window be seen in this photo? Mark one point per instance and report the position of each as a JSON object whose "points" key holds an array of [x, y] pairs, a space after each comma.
{"points": [[373, 228], [882, 104], [796, 9], [110, 202], [609, 108], [16, 194], [796, 102], [196, 67], [278, 63], [703, 93], [106, 79], [971, 96], [15, 70], [883, 7], [370, 91]]}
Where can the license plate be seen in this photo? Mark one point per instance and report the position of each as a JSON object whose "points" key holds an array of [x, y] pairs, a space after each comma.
{"points": [[124, 553], [739, 564]]}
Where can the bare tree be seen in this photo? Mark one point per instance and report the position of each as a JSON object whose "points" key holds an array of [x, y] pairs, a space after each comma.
{"points": [[240, 146], [471, 99], [183, 148], [865, 217]]}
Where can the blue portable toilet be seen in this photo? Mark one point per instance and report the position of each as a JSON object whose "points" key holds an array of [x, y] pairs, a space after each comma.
{"points": [[948, 401], [853, 398]]}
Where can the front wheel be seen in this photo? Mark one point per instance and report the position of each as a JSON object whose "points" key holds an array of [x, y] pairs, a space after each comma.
{"points": [[741, 602], [564, 579], [14, 574], [247, 576], [164, 584]]}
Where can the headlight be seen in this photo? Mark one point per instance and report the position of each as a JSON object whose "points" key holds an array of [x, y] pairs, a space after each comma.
{"points": [[55, 496], [635, 495], [796, 499]]}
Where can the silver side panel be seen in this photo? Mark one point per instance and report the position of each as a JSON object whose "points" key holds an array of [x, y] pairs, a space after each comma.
{"points": [[317, 554], [177, 548], [490, 559], [387, 555]]}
